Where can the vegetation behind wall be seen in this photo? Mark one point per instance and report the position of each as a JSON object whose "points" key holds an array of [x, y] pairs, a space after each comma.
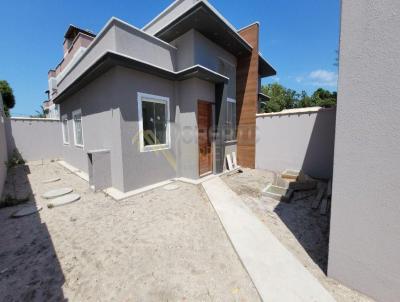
{"points": [[285, 98]]}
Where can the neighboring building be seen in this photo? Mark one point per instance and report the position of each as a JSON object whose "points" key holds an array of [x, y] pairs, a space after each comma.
{"points": [[364, 247], [52, 110], [143, 100]]}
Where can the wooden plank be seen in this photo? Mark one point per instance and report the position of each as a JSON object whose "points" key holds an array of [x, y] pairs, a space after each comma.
{"points": [[320, 194], [329, 192], [234, 160], [229, 161], [324, 206]]}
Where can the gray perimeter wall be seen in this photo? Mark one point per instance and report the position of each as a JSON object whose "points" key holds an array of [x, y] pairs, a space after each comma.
{"points": [[35, 139], [3, 148], [297, 141], [364, 248]]}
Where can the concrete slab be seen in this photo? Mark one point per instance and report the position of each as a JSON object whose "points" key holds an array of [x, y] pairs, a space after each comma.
{"points": [[276, 273], [25, 211], [63, 200], [50, 180], [56, 193], [274, 192]]}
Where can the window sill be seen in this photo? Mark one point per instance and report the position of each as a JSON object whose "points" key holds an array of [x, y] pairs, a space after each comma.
{"points": [[79, 146], [155, 148], [66, 144]]}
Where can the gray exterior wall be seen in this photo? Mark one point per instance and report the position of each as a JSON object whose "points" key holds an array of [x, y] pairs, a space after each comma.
{"points": [[35, 139], [185, 56], [134, 43], [364, 248], [110, 121], [3, 148], [302, 141], [101, 118], [143, 168]]}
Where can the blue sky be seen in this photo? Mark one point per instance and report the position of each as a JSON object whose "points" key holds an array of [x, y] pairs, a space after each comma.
{"points": [[298, 37]]}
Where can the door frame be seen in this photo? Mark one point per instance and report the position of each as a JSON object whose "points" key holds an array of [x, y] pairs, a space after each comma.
{"points": [[212, 105]]}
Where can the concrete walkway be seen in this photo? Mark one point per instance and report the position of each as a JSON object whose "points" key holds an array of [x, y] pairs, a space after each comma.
{"points": [[276, 273]]}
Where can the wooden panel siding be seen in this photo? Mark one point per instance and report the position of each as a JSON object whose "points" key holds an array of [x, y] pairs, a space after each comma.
{"points": [[246, 102]]}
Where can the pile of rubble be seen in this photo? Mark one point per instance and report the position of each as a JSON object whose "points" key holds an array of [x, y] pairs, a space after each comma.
{"points": [[292, 185]]}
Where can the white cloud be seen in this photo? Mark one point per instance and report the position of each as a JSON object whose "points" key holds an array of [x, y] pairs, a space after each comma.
{"points": [[323, 77], [299, 79], [319, 77]]}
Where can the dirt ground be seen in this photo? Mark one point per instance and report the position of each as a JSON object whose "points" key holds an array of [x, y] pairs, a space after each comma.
{"points": [[158, 246], [301, 229]]}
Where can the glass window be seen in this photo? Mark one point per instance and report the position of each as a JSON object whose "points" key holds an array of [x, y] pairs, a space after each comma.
{"points": [[65, 129], [154, 132], [78, 132], [230, 129]]}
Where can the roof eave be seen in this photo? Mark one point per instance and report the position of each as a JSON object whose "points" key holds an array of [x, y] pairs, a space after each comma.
{"points": [[110, 59]]}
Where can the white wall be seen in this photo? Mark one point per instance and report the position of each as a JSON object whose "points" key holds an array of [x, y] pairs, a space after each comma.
{"points": [[35, 139], [300, 141], [3, 148], [364, 248]]}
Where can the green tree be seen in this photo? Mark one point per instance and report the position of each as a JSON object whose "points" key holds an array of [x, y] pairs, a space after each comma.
{"points": [[8, 97], [324, 98], [42, 113], [280, 97], [284, 98], [305, 100]]}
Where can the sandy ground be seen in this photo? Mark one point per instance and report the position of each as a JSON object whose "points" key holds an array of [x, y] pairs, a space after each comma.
{"points": [[158, 246], [302, 230]]}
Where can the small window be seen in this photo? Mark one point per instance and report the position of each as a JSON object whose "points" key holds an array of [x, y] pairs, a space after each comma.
{"points": [[64, 126], [78, 131], [153, 122], [230, 129]]}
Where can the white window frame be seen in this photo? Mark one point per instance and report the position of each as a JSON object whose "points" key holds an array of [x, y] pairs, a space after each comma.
{"points": [[76, 112], [156, 99], [231, 100], [65, 117]]}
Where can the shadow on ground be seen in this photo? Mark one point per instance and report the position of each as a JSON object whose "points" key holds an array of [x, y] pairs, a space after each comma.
{"points": [[29, 268], [309, 227]]}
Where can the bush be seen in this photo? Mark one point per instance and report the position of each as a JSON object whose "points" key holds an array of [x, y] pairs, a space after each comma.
{"points": [[15, 160]]}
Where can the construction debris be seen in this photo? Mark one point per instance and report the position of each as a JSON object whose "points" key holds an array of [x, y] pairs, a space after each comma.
{"points": [[290, 174], [302, 185], [303, 195], [329, 193], [324, 206], [229, 162], [320, 194], [292, 185]]}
